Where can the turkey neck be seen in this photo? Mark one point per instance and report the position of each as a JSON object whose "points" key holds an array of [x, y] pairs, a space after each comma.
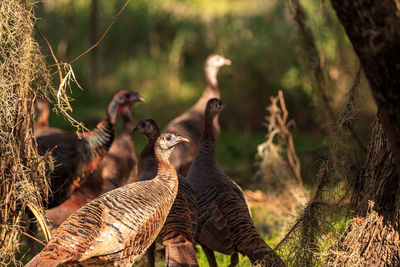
{"points": [[101, 137], [147, 168], [212, 89], [206, 152], [127, 127], [165, 171]]}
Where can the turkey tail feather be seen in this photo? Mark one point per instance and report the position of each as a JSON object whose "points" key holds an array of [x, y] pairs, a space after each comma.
{"points": [[182, 254], [39, 261]]}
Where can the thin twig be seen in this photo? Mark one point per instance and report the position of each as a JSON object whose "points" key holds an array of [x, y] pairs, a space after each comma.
{"points": [[41, 220], [102, 37], [283, 106], [34, 238], [51, 51], [56, 63], [293, 159]]}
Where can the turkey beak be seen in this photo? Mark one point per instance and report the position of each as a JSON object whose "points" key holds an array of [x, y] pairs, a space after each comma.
{"points": [[181, 139], [140, 99], [227, 62]]}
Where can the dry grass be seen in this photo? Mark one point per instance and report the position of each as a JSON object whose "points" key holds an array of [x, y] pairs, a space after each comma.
{"points": [[23, 75], [314, 230], [361, 244], [278, 165]]}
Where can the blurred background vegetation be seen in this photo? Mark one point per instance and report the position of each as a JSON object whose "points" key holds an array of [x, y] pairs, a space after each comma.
{"points": [[158, 49]]}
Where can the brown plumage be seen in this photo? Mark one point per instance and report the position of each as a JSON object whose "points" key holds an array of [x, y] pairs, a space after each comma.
{"points": [[190, 123], [118, 167], [41, 125], [76, 157], [225, 224], [116, 228], [177, 234]]}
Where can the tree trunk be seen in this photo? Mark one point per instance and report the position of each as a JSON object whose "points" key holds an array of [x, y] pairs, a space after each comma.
{"points": [[378, 180], [372, 239], [94, 62], [372, 27]]}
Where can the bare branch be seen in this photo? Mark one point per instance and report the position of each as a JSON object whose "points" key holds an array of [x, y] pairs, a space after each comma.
{"points": [[104, 34]]}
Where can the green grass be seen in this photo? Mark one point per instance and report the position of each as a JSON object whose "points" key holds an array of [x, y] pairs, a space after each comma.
{"points": [[222, 260]]}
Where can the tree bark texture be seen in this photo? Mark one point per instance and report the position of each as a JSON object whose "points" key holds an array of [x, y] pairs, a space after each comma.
{"points": [[372, 27], [367, 241], [372, 237], [378, 181]]}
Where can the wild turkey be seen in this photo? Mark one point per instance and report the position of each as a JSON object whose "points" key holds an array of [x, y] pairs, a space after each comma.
{"points": [[41, 126], [190, 123], [177, 234], [116, 228], [118, 167], [77, 157], [225, 224]]}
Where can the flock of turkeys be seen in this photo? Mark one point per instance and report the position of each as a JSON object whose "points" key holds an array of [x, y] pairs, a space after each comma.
{"points": [[108, 207]]}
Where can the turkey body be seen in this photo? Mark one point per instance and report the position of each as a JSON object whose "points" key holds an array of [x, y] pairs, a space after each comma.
{"points": [[117, 168], [190, 123], [75, 157], [72, 162], [88, 191], [225, 223], [119, 165], [177, 234], [116, 228]]}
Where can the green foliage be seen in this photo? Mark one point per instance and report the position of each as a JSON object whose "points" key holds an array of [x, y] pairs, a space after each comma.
{"points": [[158, 48]]}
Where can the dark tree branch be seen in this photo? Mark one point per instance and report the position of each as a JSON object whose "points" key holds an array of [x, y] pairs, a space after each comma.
{"points": [[372, 29]]}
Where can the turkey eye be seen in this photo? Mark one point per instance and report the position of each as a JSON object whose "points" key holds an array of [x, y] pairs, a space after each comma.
{"points": [[168, 138]]}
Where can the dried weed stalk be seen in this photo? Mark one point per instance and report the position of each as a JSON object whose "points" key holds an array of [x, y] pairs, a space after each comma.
{"points": [[315, 228], [23, 74], [279, 174], [67, 77]]}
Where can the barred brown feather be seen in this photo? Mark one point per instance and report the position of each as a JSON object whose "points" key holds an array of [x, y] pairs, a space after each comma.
{"points": [[117, 168], [177, 234], [76, 157], [225, 223], [118, 226]]}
